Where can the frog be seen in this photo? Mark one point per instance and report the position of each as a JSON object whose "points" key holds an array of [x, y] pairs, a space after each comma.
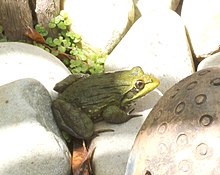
{"points": [[84, 100]]}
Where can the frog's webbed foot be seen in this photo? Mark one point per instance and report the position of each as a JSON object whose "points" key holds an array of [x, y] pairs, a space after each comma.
{"points": [[72, 120], [113, 114], [62, 85]]}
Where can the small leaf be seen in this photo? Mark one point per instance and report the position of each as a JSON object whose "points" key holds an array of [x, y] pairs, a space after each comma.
{"points": [[57, 42], [66, 43], [49, 41], [76, 40], [64, 14], [67, 22], [62, 49], [39, 28], [55, 52], [51, 25], [58, 19], [61, 25]]}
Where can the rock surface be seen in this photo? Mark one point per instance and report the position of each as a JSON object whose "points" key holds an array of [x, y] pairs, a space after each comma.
{"points": [[202, 20], [181, 133], [157, 42], [211, 61], [102, 24], [146, 6], [30, 139], [20, 60], [113, 148]]}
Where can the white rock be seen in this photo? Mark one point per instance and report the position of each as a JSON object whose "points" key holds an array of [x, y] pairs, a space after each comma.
{"points": [[202, 20], [157, 42], [113, 148], [146, 6], [101, 23], [30, 139], [20, 60], [211, 61]]}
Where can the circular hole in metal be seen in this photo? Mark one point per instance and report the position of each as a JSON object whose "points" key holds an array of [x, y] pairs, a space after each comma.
{"points": [[201, 98], [191, 85], [206, 120], [158, 115], [180, 107], [203, 72], [215, 82], [162, 128], [174, 93]]}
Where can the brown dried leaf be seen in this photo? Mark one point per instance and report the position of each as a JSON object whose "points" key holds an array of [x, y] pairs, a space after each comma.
{"points": [[34, 35], [81, 160]]}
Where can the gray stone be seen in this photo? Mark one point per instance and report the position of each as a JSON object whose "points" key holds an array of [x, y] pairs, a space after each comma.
{"points": [[20, 60], [202, 20], [157, 42], [30, 140]]}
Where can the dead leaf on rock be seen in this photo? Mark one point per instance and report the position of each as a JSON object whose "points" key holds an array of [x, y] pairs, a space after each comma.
{"points": [[81, 159]]}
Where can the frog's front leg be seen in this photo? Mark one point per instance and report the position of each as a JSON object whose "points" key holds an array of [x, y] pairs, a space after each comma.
{"points": [[72, 119], [113, 114]]}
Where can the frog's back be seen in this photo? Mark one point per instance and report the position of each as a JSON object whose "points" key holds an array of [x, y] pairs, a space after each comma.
{"points": [[96, 91]]}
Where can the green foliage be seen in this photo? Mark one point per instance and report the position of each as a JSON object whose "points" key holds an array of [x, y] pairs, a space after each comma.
{"points": [[3, 38], [68, 46], [83, 59]]}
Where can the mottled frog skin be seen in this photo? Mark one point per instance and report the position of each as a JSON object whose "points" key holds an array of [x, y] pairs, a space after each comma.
{"points": [[85, 99]]}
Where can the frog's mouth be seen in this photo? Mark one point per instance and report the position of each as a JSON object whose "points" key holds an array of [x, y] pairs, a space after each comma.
{"points": [[140, 89]]}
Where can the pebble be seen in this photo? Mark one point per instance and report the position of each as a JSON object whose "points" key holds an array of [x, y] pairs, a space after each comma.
{"points": [[102, 24], [202, 21], [157, 42], [20, 60]]}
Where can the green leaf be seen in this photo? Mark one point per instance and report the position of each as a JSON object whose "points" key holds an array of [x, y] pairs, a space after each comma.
{"points": [[70, 34], [58, 19], [66, 61], [67, 22], [66, 42], [57, 42], [39, 28], [64, 14], [76, 40], [55, 52], [51, 25], [74, 52], [49, 41], [61, 25], [62, 49]]}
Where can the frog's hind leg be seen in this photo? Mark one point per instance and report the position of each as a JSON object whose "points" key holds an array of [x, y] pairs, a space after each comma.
{"points": [[72, 120], [113, 114], [62, 85]]}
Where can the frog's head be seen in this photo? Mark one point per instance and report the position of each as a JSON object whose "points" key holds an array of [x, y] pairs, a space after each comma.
{"points": [[140, 84]]}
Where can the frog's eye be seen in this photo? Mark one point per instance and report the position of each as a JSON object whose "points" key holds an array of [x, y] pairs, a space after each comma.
{"points": [[139, 84]]}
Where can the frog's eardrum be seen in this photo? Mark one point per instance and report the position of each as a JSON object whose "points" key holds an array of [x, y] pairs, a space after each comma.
{"points": [[181, 135]]}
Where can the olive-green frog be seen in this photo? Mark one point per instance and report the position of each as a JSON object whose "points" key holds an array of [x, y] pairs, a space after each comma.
{"points": [[85, 99]]}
